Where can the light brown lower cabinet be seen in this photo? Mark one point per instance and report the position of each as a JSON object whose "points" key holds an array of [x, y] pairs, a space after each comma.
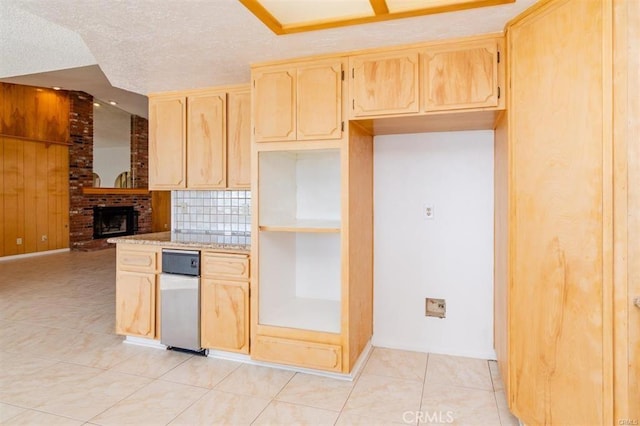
{"points": [[137, 295], [136, 304], [225, 315], [224, 302]]}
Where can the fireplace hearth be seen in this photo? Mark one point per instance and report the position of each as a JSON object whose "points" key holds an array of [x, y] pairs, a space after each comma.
{"points": [[114, 221]]}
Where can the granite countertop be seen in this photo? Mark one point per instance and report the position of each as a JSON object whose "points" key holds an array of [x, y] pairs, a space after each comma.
{"points": [[224, 242]]}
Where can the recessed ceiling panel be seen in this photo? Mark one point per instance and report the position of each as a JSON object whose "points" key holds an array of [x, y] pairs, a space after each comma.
{"points": [[290, 12]]}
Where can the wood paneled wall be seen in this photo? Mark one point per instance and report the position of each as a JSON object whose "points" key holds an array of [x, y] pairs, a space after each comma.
{"points": [[34, 113], [34, 169], [34, 196]]}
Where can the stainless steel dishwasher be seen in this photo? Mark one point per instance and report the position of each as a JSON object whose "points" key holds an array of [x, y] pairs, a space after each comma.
{"points": [[180, 299]]}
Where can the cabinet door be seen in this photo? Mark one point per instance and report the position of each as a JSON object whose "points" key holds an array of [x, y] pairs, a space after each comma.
{"points": [[274, 105], [239, 139], [136, 304], [384, 84], [167, 142], [560, 200], [225, 315], [319, 107], [462, 77], [206, 141]]}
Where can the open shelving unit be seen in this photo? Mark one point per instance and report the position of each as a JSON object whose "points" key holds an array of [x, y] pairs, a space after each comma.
{"points": [[299, 226], [312, 252]]}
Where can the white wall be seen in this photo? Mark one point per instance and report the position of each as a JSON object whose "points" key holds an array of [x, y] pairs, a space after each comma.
{"points": [[450, 256], [111, 143], [108, 163]]}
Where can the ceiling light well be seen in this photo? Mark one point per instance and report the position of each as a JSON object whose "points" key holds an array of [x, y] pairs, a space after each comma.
{"points": [[288, 16]]}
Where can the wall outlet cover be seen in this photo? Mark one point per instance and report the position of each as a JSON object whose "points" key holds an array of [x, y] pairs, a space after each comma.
{"points": [[435, 307], [428, 211]]}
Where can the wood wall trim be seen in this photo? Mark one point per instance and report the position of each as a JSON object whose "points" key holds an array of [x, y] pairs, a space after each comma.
{"points": [[115, 191], [47, 142]]}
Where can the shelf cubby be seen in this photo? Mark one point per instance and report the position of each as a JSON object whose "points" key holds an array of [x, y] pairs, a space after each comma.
{"points": [[300, 280]]}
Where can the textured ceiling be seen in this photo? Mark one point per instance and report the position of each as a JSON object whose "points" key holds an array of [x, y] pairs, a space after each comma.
{"points": [[153, 46]]}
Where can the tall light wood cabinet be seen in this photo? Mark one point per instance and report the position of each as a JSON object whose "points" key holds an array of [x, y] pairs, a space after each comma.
{"points": [[199, 141], [300, 101], [562, 231]]}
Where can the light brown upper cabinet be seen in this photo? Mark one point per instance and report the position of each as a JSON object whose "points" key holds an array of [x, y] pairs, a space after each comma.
{"points": [[167, 142], [200, 139], [384, 83], [239, 138], [461, 76], [298, 102], [274, 100], [206, 140]]}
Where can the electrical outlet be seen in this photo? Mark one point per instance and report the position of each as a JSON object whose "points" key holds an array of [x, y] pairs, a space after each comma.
{"points": [[428, 211], [19, 241], [435, 307], [44, 238]]}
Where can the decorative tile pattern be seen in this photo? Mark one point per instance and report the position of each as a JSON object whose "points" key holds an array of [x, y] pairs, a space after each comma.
{"points": [[212, 211]]}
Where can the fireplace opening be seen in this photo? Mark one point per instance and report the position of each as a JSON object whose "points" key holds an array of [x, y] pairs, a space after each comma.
{"points": [[114, 221]]}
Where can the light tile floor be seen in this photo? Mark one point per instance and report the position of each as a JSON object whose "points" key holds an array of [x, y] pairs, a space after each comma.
{"points": [[61, 364]]}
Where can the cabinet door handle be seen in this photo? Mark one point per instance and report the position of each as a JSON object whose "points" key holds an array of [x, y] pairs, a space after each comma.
{"points": [[636, 302]]}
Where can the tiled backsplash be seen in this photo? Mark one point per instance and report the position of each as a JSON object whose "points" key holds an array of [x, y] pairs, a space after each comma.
{"points": [[211, 211]]}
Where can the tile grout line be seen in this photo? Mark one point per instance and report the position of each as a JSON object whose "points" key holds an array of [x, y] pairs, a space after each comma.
{"points": [[26, 410], [424, 382], [355, 382], [273, 398]]}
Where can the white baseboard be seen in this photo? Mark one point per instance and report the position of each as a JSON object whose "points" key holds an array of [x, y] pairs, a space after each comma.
{"points": [[142, 341], [246, 359], [34, 254], [482, 354]]}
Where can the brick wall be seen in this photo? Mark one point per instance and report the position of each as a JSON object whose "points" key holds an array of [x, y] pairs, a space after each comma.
{"points": [[81, 169], [140, 151]]}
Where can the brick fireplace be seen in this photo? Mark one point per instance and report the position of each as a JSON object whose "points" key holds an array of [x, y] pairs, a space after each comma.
{"points": [[81, 206]]}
